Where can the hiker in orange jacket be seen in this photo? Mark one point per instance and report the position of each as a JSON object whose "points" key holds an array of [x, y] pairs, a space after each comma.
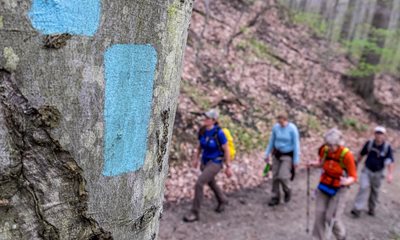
{"points": [[339, 172]]}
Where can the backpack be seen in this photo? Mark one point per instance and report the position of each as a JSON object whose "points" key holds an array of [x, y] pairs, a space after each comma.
{"points": [[333, 168], [231, 145], [380, 154], [229, 138]]}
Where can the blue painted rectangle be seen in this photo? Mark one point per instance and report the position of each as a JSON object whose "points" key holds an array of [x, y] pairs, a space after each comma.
{"points": [[80, 17], [129, 75]]}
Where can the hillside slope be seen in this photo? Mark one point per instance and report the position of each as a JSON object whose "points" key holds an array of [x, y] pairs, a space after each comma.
{"points": [[251, 60]]}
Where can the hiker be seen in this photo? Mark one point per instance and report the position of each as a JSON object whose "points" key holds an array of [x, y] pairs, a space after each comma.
{"points": [[214, 150], [379, 155], [284, 145], [339, 172]]}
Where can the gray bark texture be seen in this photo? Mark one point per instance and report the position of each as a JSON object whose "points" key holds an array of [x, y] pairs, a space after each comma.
{"points": [[52, 128]]}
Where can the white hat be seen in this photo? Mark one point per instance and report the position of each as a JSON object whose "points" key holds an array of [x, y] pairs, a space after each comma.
{"points": [[213, 114], [380, 129], [334, 137]]}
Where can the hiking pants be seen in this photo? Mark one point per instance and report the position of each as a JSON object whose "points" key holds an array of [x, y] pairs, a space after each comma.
{"points": [[370, 183], [281, 175], [209, 171], [328, 213]]}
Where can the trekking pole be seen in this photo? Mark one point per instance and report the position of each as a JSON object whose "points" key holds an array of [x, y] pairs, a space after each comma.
{"points": [[330, 228], [333, 220], [308, 200]]}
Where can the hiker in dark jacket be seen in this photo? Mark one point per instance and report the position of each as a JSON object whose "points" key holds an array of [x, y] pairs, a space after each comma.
{"points": [[214, 152], [379, 155]]}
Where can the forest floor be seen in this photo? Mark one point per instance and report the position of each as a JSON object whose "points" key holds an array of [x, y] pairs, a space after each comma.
{"points": [[249, 217]]}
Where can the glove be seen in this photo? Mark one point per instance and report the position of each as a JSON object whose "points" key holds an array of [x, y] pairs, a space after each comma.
{"points": [[292, 172]]}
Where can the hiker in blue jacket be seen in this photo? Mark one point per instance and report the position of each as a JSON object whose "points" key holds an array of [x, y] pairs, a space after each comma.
{"points": [[379, 156], [214, 152], [284, 145]]}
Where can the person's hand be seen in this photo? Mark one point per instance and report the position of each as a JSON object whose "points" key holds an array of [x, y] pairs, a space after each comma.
{"points": [[312, 164], [346, 181], [389, 178], [228, 171], [266, 159]]}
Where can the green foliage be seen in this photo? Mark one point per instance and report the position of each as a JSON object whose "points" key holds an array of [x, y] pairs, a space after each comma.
{"points": [[246, 139], [379, 34], [313, 123], [259, 48], [350, 123], [244, 30], [357, 47], [312, 20], [364, 69], [389, 56], [241, 46], [395, 237]]}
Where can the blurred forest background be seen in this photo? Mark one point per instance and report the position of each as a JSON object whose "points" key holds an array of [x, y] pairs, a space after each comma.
{"points": [[327, 63]]}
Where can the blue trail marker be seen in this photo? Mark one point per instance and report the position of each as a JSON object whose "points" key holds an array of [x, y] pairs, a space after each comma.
{"points": [[129, 75], [77, 17]]}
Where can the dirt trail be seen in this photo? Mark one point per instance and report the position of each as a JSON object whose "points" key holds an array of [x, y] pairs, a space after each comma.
{"points": [[249, 217]]}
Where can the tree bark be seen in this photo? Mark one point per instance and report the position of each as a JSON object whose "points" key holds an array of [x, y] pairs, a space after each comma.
{"points": [[58, 88]]}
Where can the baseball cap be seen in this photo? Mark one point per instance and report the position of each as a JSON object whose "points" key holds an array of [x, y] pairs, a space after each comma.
{"points": [[213, 114], [380, 129]]}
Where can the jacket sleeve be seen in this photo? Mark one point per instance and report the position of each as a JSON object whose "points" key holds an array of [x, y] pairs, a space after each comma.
{"points": [[221, 137], [296, 141], [350, 164], [364, 150], [389, 155]]}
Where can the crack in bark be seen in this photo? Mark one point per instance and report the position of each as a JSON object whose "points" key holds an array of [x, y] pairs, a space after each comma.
{"points": [[42, 164], [163, 142], [56, 41], [148, 215], [49, 230]]}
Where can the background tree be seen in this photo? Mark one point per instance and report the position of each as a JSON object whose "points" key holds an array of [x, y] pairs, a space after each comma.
{"points": [[371, 56]]}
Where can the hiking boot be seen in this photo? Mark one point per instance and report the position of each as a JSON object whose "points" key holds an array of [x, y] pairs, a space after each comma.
{"points": [[273, 202], [191, 217], [371, 212], [221, 207], [356, 213], [288, 196]]}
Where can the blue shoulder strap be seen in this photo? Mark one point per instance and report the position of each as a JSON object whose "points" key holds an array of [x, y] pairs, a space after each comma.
{"points": [[215, 136]]}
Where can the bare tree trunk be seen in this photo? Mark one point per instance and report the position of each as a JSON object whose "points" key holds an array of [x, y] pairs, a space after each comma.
{"points": [[88, 93]]}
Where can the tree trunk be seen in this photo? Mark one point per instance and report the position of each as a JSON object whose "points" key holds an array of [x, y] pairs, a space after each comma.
{"points": [[88, 93], [364, 86]]}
